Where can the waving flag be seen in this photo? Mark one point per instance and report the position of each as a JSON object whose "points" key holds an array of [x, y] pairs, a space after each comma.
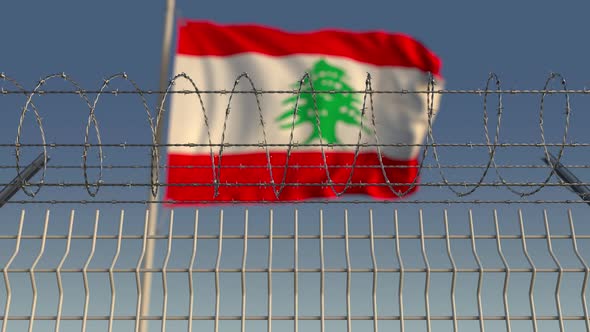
{"points": [[295, 140]]}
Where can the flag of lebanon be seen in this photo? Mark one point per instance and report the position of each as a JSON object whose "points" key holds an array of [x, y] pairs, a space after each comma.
{"points": [[299, 141]]}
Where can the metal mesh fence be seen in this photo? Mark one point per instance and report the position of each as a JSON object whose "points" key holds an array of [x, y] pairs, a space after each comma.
{"points": [[492, 240], [286, 270]]}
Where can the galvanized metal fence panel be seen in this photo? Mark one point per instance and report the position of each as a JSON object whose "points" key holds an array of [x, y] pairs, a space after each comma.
{"points": [[395, 293]]}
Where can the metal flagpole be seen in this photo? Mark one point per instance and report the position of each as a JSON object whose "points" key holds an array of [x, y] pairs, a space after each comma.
{"points": [[153, 207]]}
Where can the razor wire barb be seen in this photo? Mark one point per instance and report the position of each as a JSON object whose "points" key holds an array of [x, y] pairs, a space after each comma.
{"points": [[431, 146]]}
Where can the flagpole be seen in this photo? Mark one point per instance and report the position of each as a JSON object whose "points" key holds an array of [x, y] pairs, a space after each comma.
{"points": [[153, 206]]}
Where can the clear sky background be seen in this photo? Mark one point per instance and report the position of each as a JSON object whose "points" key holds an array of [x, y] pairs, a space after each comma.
{"points": [[521, 41]]}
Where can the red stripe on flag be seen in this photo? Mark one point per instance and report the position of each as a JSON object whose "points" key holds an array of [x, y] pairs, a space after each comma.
{"points": [[377, 47], [246, 177]]}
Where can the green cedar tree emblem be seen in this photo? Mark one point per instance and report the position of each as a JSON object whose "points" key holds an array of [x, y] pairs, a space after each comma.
{"points": [[331, 107]]}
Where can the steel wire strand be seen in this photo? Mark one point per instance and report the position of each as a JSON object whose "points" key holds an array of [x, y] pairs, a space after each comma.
{"points": [[542, 128], [16, 145], [492, 144], [491, 151]]}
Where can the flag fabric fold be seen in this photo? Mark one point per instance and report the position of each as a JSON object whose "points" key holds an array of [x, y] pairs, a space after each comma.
{"points": [[298, 136]]}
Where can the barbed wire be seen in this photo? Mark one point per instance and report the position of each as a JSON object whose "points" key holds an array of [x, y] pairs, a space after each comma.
{"points": [[91, 99], [165, 166], [296, 202], [295, 91]]}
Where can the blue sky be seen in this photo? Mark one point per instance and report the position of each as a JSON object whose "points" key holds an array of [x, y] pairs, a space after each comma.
{"points": [[521, 42]]}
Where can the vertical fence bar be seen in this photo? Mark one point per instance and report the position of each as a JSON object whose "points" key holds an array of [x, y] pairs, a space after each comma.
{"points": [[85, 271], [480, 272], [322, 275], [559, 275], [296, 270], [348, 273], [165, 272], [534, 273], [269, 275], [374, 266], [427, 281], [401, 274], [7, 267], [191, 286], [586, 269], [32, 272], [243, 272], [217, 265], [111, 273], [58, 273], [506, 275], [454, 277], [138, 284]]}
